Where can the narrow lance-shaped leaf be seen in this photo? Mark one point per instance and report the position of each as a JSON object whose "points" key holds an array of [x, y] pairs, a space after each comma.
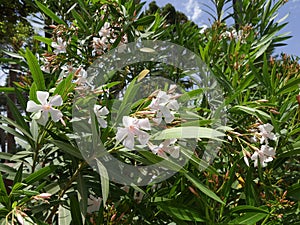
{"points": [[35, 70], [104, 181], [50, 13]]}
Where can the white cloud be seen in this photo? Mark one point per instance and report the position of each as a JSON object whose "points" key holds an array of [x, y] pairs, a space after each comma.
{"points": [[193, 10]]}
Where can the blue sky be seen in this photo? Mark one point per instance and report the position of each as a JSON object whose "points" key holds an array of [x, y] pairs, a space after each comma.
{"points": [[194, 9]]}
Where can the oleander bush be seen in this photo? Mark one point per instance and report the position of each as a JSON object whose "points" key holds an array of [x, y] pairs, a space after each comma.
{"points": [[69, 122]]}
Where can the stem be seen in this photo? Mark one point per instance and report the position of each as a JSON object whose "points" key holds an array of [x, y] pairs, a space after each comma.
{"points": [[267, 217], [37, 148], [63, 191]]}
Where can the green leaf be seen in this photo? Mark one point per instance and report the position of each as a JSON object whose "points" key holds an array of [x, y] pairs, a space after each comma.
{"points": [[104, 181], [129, 95], [64, 216], [35, 70], [13, 54], [17, 115], [75, 210], [67, 148], [5, 155], [290, 151], [65, 87], [252, 111], [39, 175], [294, 191], [188, 132], [182, 213], [7, 89], [248, 219], [290, 86], [45, 40], [32, 92], [80, 22], [248, 208], [12, 123], [201, 187], [82, 195], [145, 20], [250, 193], [50, 13], [2, 186], [19, 174]]}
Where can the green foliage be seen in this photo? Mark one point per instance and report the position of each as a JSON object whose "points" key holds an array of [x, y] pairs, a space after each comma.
{"points": [[258, 90]]}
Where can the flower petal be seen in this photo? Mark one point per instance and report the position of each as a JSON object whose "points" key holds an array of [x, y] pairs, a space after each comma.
{"points": [[56, 114], [32, 106], [128, 121], [143, 137], [144, 124], [44, 118], [56, 100], [175, 152], [104, 111], [128, 142], [42, 96], [173, 104], [102, 122], [121, 133]]}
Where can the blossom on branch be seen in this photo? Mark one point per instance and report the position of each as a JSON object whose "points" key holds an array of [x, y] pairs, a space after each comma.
{"points": [[59, 46], [101, 113], [163, 103], [42, 111], [165, 147], [265, 133], [265, 154], [133, 127]]}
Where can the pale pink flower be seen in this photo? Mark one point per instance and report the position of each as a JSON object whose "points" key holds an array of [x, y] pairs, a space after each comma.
{"points": [[265, 154], [163, 104], [42, 111], [101, 113], [265, 133], [166, 147], [43, 196], [81, 75], [59, 46], [133, 128]]}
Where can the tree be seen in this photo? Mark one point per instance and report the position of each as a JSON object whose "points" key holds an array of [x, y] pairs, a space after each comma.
{"points": [[14, 30]]}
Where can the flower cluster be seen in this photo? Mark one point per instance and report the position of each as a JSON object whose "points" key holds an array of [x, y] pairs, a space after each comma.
{"points": [[163, 106], [166, 147], [59, 46], [266, 153], [106, 37], [133, 127]]}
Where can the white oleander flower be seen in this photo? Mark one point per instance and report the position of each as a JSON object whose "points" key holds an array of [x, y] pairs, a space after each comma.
{"points": [[265, 154], [166, 147], [265, 133], [105, 30], [163, 104], [42, 111], [93, 204], [81, 75], [133, 127], [101, 113], [43, 196], [59, 46]]}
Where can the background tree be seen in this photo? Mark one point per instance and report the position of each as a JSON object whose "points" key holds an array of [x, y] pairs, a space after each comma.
{"points": [[14, 33]]}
